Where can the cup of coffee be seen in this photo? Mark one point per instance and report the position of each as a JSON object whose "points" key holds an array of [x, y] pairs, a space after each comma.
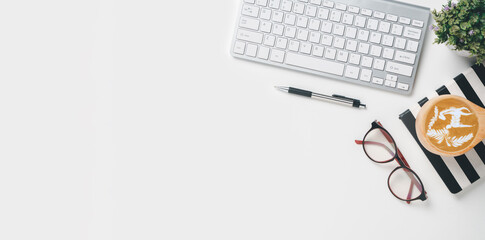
{"points": [[450, 125]]}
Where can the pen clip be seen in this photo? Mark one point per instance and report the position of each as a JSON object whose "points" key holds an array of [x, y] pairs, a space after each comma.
{"points": [[343, 97], [355, 102]]}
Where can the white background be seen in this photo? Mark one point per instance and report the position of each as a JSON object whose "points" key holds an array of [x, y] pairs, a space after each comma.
{"points": [[130, 120]]}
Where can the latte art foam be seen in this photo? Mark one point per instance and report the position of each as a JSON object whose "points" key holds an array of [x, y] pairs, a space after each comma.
{"points": [[451, 126]]}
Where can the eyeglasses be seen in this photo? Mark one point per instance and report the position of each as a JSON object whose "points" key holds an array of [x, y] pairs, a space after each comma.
{"points": [[380, 147]]}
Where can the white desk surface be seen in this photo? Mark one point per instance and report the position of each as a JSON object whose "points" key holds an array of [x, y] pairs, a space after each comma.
{"points": [[125, 120]]}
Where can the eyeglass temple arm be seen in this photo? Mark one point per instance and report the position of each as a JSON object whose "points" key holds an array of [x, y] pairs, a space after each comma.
{"points": [[413, 180]]}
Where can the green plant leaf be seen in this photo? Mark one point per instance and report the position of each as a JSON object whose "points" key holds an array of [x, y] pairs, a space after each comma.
{"points": [[455, 25]]}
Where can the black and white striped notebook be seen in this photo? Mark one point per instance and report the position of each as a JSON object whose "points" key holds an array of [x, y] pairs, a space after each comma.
{"points": [[459, 172]]}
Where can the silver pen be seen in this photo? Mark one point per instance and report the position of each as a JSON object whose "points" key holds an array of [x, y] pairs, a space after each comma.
{"points": [[334, 98]]}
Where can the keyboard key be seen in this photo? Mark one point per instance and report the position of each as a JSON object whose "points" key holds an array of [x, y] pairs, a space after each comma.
{"points": [[316, 2], [265, 14], [354, 58], [327, 27], [350, 32], [286, 5], [316, 64], [269, 40], [249, 36], [388, 53], [351, 45], [290, 19], [330, 53], [317, 51], [379, 64], [251, 50], [403, 86], [400, 43], [277, 56], [290, 32], [375, 38], [250, 10], [363, 35], [263, 3], [315, 37], [239, 47], [379, 15], [391, 84], [278, 29], [274, 4], [341, 6], [366, 12], [302, 22], [417, 23], [348, 19], [398, 68], [335, 16], [338, 29], [327, 40], [298, 8], [266, 26], [387, 40], [323, 13], [294, 46], [375, 51], [311, 11], [366, 61], [354, 9], [412, 33], [339, 42], [342, 56], [263, 53], [405, 57], [302, 35], [396, 29], [249, 23], [278, 16], [314, 25], [364, 48], [391, 77], [377, 80], [404, 20], [305, 48], [372, 24], [412, 46], [327, 3], [359, 21], [365, 75], [392, 18], [249, 1], [352, 72], [281, 43], [384, 27]]}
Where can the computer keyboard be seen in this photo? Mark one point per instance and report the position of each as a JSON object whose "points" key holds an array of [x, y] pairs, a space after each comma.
{"points": [[376, 43]]}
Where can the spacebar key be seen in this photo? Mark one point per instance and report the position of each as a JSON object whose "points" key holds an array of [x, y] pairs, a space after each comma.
{"points": [[314, 64]]}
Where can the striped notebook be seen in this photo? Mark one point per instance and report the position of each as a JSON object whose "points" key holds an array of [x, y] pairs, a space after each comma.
{"points": [[459, 172]]}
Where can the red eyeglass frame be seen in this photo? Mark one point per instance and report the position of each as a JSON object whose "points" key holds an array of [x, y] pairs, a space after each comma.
{"points": [[399, 159]]}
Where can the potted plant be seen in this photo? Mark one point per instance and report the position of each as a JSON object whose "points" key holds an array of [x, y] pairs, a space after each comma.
{"points": [[461, 26]]}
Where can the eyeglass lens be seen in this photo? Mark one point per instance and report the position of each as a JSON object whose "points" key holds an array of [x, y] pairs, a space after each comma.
{"points": [[379, 146], [404, 184]]}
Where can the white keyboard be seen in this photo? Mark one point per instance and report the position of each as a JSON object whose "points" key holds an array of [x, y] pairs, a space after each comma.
{"points": [[376, 43]]}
